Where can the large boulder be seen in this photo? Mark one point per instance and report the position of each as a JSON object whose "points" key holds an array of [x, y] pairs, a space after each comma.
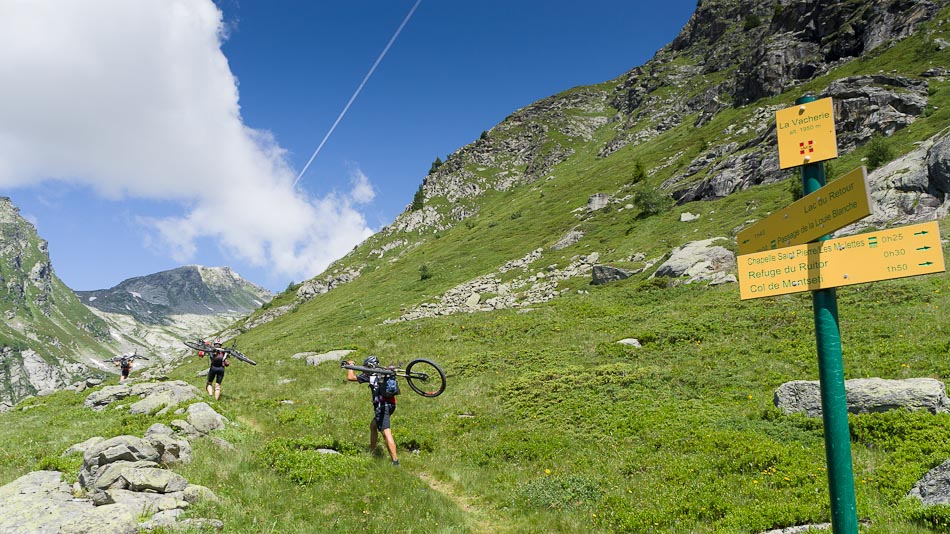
{"points": [[38, 502], [83, 446], [97, 400], [126, 449], [204, 419], [604, 274], [699, 261], [912, 189], [866, 395], [314, 358], [110, 476], [934, 487]]}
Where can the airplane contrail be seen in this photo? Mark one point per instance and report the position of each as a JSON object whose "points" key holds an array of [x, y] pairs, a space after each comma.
{"points": [[358, 89]]}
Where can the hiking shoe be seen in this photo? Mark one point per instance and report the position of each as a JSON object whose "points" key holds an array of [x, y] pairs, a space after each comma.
{"points": [[396, 463]]}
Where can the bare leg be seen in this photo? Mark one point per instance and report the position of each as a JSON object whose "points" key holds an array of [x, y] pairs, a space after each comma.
{"points": [[217, 391], [390, 443], [372, 435], [210, 391]]}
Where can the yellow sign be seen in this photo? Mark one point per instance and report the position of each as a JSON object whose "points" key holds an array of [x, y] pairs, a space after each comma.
{"points": [[834, 206], [806, 133], [883, 255]]}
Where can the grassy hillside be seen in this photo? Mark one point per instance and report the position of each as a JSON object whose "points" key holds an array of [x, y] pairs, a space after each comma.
{"points": [[549, 425]]}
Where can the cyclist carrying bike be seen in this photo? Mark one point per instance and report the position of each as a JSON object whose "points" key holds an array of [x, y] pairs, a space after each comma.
{"points": [[218, 358], [124, 364], [383, 407]]}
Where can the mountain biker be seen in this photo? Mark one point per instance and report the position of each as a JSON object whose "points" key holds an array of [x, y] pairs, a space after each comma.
{"points": [[124, 363], [383, 407], [218, 357]]}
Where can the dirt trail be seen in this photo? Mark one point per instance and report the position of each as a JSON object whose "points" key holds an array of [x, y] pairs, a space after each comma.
{"points": [[479, 519]]}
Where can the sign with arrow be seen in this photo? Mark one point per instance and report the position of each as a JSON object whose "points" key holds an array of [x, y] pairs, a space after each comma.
{"points": [[834, 206], [883, 255]]}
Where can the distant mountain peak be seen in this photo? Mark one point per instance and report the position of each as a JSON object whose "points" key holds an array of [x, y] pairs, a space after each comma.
{"points": [[192, 289]]}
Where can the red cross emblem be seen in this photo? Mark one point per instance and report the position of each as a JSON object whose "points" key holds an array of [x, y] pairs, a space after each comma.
{"points": [[802, 148]]}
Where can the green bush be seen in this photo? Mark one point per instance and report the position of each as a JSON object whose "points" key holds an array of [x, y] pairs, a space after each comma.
{"points": [[425, 272], [651, 201], [639, 172], [879, 152]]}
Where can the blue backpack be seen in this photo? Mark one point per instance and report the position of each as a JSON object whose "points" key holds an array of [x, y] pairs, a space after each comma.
{"points": [[387, 386]]}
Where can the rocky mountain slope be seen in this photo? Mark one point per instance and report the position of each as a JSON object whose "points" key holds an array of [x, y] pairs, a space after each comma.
{"points": [[155, 312], [190, 290], [47, 336], [695, 123]]}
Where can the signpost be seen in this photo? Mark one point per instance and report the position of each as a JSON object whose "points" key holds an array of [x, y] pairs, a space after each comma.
{"points": [[806, 137], [883, 255], [834, 206]]}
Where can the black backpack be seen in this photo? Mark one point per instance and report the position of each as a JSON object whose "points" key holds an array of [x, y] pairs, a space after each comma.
{"points": [[387, 386], [218, 358]]}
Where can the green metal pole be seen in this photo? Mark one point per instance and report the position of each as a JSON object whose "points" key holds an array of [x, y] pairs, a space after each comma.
{"points": [[834, 404]]}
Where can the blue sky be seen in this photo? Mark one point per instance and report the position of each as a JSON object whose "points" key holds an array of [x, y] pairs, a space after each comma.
{"points": [[141, 136]]}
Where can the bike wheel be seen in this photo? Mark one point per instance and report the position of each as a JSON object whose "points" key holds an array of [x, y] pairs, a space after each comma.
{"points": [[197, 345], [241, 357], [425, 378]]}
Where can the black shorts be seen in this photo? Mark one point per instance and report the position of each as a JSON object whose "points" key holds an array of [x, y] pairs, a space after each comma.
{"points": [[125, 372], [383, 411], [215, 373]]}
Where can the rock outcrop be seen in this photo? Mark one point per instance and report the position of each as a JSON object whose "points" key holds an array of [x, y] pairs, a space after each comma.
{"points": [[124, 484], [866, 395], [934, 488]]}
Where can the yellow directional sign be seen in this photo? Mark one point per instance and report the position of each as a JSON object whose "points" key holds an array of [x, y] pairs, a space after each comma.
{"points": [[882, 255], [806, 133], [834, 206]]}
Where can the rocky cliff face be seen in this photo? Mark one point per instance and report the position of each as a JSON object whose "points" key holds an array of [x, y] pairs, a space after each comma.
{"points": [[46, 336], [730, 54]]}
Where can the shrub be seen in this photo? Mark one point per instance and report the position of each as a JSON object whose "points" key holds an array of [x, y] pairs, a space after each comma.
{"points": [[879, 152], [639, 172], [651, 201], [424, 272], [751, 22]]}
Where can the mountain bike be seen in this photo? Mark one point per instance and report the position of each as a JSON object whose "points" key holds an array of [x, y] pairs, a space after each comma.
{"points": [[423, 376], [126, 358], [203, 346]]}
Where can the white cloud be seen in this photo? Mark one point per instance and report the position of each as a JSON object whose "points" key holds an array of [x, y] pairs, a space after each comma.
{"points": [[136, 100], [362, 191]]}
